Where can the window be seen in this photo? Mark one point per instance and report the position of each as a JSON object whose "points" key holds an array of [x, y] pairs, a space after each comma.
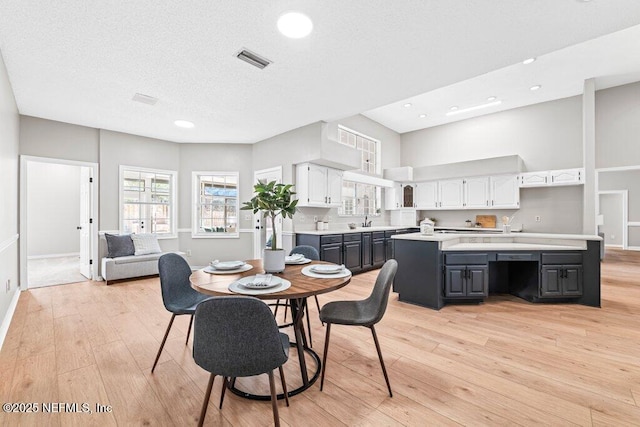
{"points": [[367, 146], [359, 199], [147, 201], [215, 199]]}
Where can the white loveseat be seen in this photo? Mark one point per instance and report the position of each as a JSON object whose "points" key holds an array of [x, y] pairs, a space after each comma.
{"points": [[127, 267]]}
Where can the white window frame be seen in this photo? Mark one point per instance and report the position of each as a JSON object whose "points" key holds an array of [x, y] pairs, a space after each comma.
{"points": [[377, 205], [195, 206], [378, 144], [172, 201]]}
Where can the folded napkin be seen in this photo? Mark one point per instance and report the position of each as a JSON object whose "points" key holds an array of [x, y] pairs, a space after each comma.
{"points": [[323, 268], [260, 281], [226, 265], [294, 257]]}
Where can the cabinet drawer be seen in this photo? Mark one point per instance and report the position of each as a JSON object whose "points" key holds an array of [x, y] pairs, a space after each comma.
{"points": [[352, 237], [517, 257], [331, 238], [378, 235], [562, 258], [466, 259]]}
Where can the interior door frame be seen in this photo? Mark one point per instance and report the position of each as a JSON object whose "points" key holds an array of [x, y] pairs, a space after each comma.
{"points": [[93, 233], [257, 218], [625, 213]]}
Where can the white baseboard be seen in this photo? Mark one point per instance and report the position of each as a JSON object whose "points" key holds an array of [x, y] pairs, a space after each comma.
{"points": [[613, 246], [633, 248], [4, 327], [53, 256]]}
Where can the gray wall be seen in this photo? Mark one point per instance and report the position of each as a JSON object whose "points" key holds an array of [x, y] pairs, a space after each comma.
{"points": [[53, 209], [546, 136], [9, 142]]}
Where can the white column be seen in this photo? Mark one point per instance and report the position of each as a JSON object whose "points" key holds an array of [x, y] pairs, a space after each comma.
{"points": [[589, 156]]}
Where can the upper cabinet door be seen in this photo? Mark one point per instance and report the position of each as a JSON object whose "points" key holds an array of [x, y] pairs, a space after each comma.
{"points": [[567, 177], [505, 191], [426, 195], [451, 194], [317, 185], [534, 179], [393, 197], [334, 187], [408, 196], [476, 193]]}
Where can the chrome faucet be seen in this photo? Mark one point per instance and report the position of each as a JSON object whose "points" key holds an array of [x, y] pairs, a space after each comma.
{"points": [[366, 223]]}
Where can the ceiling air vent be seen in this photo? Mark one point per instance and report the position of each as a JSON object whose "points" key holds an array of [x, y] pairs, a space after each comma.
{"points": [[253, 58], [145, 99]]}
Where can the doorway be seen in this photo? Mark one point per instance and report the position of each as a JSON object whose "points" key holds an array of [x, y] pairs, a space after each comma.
{"points": [[612, 208], [263, 231], [58, 238]]}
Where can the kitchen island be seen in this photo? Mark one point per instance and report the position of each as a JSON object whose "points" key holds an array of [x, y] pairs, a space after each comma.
{"points": [[446, 268]]}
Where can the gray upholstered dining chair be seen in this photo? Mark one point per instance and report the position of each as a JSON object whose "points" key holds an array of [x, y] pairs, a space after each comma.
{"points": [[365, 312], [177, 294], [237, 336]]}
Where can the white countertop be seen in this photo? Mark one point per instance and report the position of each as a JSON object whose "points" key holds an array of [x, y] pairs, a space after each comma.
{"points": [[356, 230], [498, 241]]}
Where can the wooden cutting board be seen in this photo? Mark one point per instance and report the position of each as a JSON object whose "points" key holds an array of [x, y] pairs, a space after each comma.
{"points": [[486, 221]]}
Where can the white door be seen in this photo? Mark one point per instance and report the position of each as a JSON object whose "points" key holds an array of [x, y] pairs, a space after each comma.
{"points": [[505, 191], [426, 194], [334, 187], [263, 229], [451, 194], [86, 184], [476, 192]]}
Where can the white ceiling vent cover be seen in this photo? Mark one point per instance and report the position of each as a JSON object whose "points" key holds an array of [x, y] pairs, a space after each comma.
{"points": [[253, 58], [145, 99]]}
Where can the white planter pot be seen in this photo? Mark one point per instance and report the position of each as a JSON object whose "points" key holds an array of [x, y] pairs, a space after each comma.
{"points": [[273, 261]]}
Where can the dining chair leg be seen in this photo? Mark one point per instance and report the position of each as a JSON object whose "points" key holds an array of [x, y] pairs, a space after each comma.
{"points": [[274, 399], [318, 305], [207, 395], [189, 331], [384, 370], [166, 334], [225, 384], [284, 385], [324, 356]]}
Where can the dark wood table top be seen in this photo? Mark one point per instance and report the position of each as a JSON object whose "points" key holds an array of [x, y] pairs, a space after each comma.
{"points": [[301, 286]]}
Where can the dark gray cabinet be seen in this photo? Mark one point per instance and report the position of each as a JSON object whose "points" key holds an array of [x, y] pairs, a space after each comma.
{"points": [[378, 248], [561, 275], [352, 251], [367, 251], [466, 275], [331, 248]]}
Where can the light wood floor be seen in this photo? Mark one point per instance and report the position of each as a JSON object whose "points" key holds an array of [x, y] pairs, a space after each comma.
{"points": [[505, 362]]}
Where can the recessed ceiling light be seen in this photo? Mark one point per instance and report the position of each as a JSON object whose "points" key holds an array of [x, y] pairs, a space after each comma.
{"points": [[491, 98], [422, 116], [295, 25], [535, 87], [184, 124], [528, 61], [407, 105], [454, 108], [477, 107]]}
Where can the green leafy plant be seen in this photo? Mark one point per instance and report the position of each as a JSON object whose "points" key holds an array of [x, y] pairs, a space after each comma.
{"points": [[272, 200]]}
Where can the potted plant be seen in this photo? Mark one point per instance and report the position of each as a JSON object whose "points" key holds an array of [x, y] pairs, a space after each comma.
{"points": [[272, 200]]}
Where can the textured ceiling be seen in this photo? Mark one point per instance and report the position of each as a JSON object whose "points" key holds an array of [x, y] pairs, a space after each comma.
{"points": [[81, 62]]}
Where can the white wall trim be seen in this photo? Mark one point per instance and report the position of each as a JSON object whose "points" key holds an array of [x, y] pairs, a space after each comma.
{"points": [[618, 168], [633, 248], [625, 211], [103, 232], [95, 212], [8, 242], [633, 224], [4, 327], [53, 256], [613, 246]]}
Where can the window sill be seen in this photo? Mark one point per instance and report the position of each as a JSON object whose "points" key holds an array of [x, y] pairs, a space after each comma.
{"points": [[215, 235]]}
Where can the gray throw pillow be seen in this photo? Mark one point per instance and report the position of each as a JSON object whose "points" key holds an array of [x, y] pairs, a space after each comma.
{"points": [[119, 245]]}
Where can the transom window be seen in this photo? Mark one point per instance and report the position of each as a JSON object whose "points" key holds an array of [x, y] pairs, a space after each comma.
{"points": [[367, 146], [359, 199], [215, 204], [147, 201]]}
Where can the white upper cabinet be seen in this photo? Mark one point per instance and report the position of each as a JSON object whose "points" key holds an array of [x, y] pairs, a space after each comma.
{"points": [[552, 178], [426, 195], [567, 177], [476, 192], [451, 194], [505, 191], [399, 196], [318, 186]]}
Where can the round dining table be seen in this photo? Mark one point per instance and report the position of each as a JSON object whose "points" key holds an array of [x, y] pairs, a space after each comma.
{"points": [[302, 287]]}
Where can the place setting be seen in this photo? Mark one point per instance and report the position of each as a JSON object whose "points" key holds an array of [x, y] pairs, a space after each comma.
{"points": [[259, 284], [326, 271], [227, 267], [296, 259]]}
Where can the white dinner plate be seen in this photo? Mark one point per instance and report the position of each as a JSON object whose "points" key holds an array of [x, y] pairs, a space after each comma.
{"points": [[327, 269], [242, 269], [239, 286], [298, 262], [227, 265]]}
